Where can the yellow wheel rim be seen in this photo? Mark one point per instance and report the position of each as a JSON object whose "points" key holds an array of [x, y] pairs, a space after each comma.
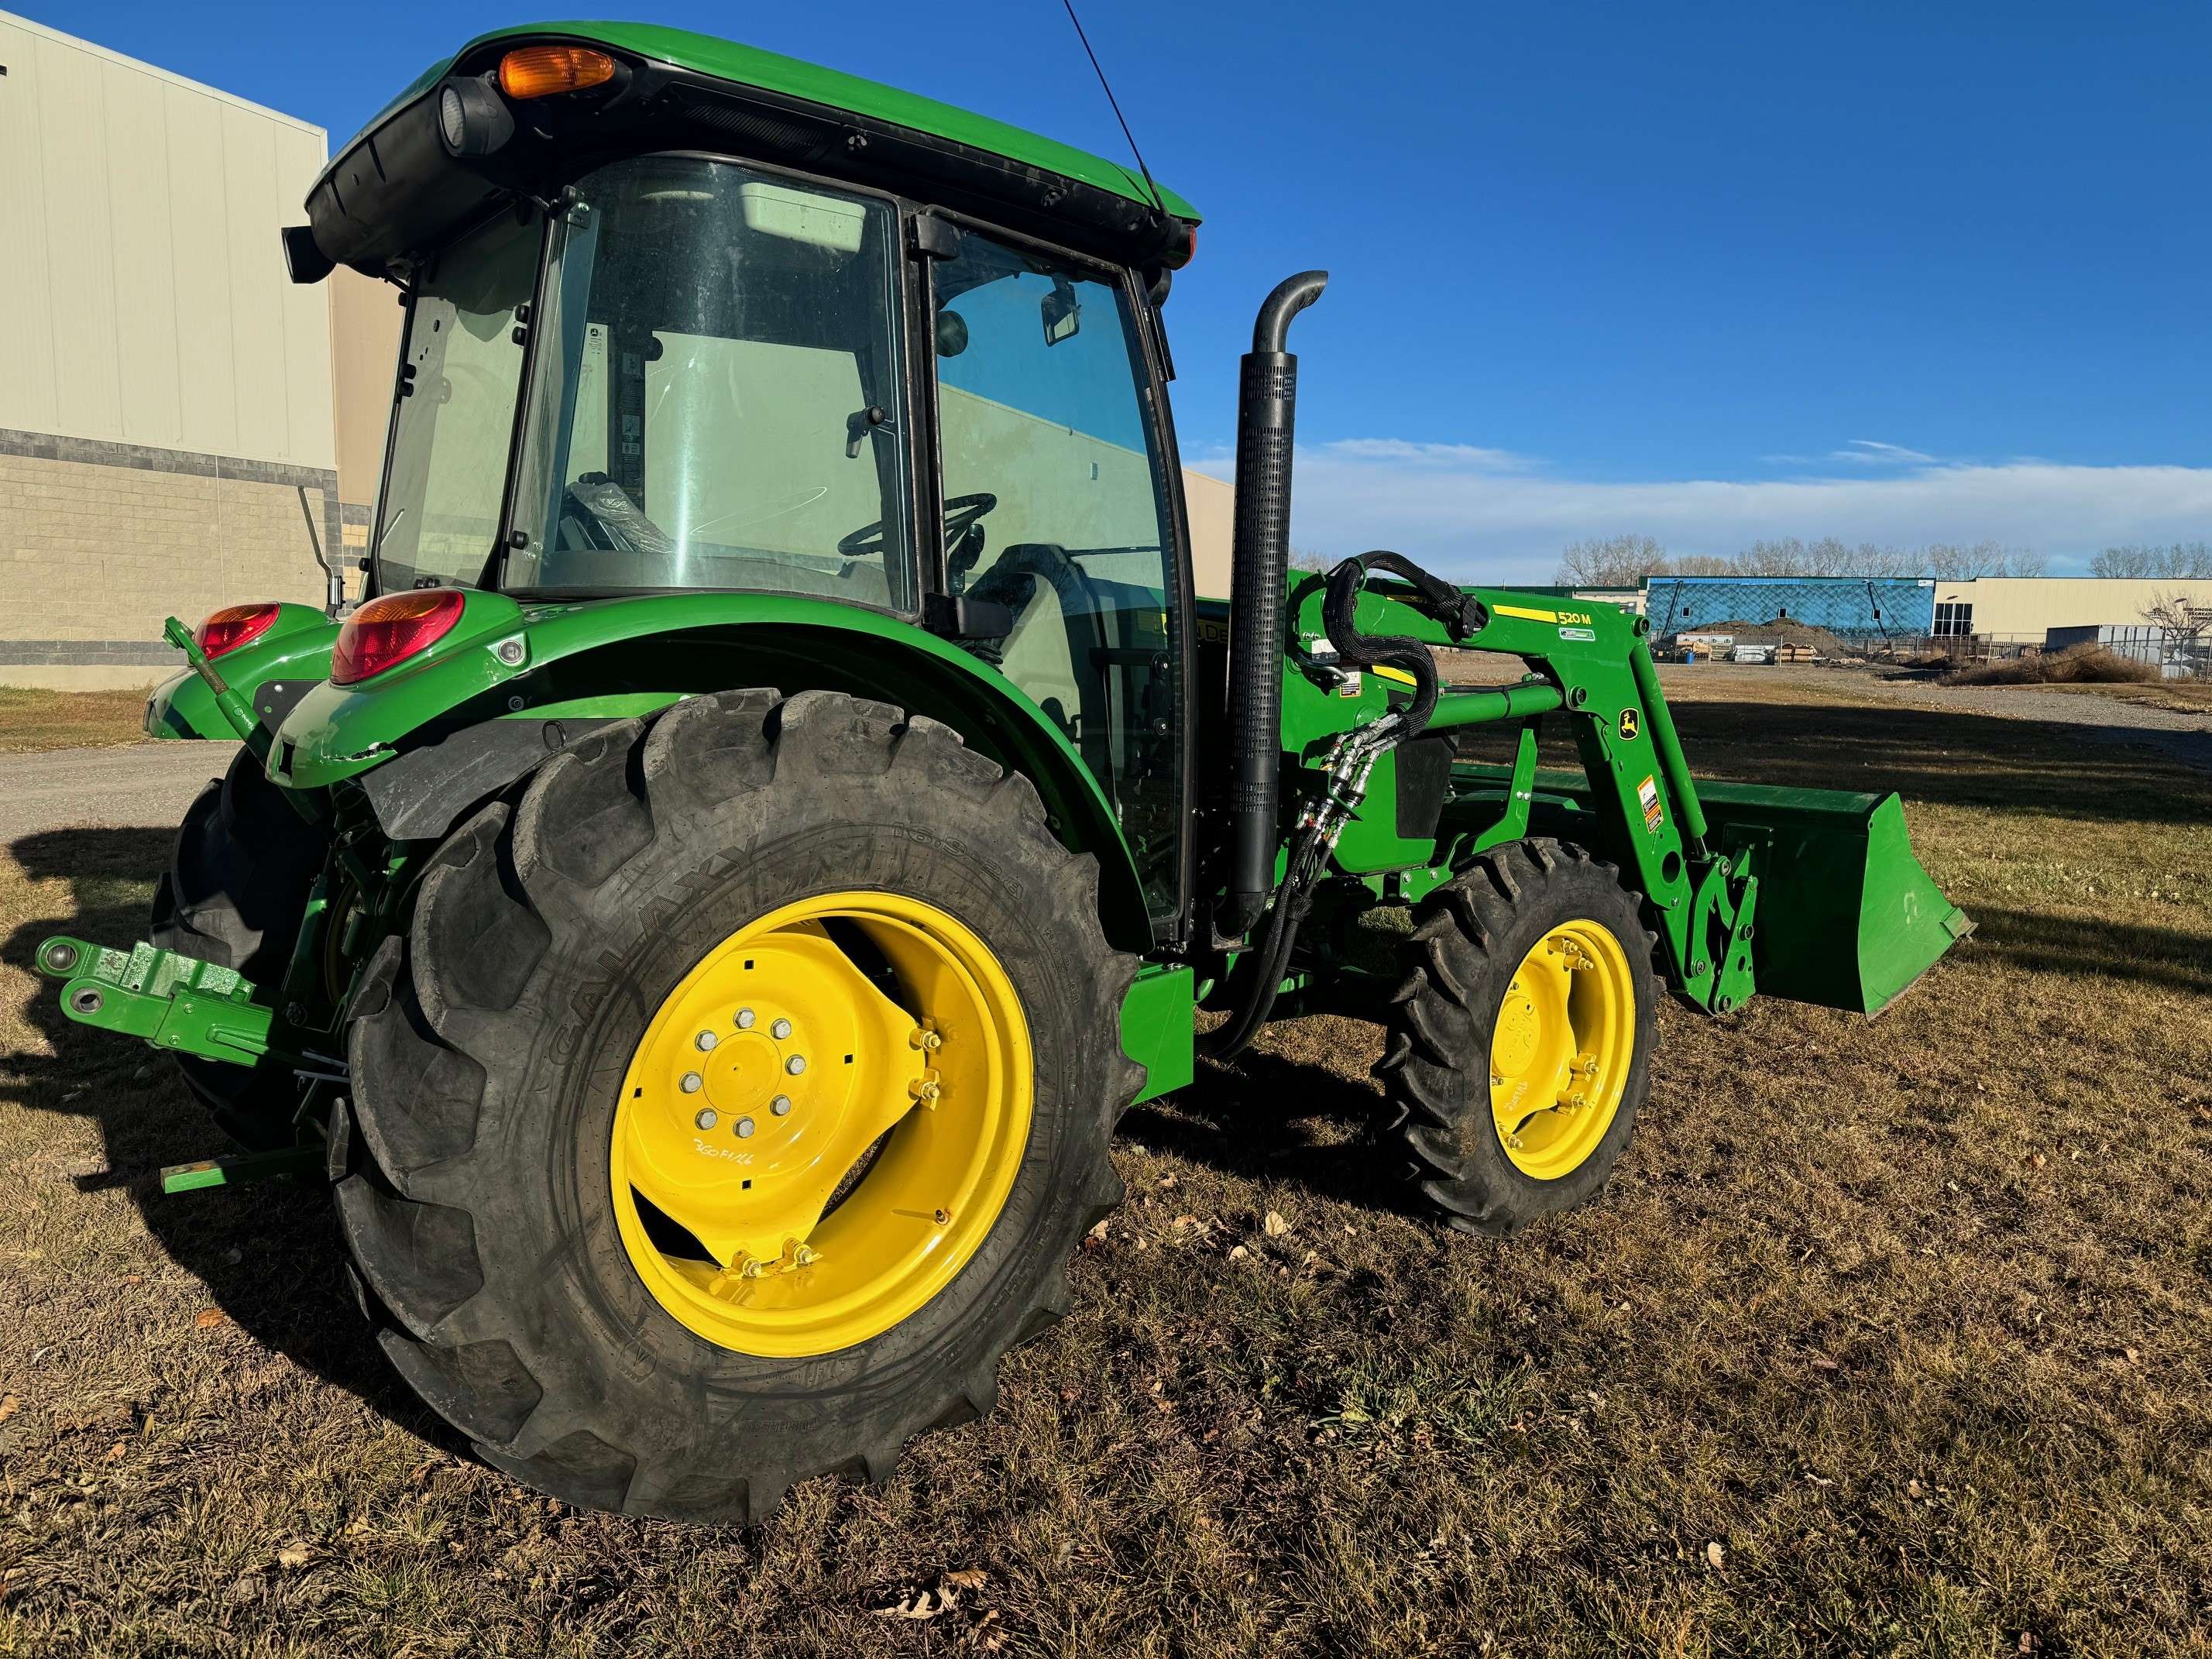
{"points": [[1560, 1051], [750, 1190]]}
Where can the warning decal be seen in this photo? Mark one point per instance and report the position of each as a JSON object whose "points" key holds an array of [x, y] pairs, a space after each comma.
{"points": [[1646, 793]]}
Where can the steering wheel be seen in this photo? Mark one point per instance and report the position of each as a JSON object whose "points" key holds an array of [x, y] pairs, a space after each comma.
{"points": [[961, 515]]}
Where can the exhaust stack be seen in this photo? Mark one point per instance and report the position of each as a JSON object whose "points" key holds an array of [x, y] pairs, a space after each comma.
{"points": [[1267, 409]]}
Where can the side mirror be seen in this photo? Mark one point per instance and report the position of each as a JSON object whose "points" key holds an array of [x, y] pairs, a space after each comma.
{"points": [[1062, 313], [951, 334]]}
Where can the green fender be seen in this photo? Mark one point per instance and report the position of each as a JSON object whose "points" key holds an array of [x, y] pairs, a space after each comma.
{"points": [[297, 647], [627, 656]]}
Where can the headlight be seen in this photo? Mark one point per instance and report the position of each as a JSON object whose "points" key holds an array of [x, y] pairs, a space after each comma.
{"points": [[473, 119]]}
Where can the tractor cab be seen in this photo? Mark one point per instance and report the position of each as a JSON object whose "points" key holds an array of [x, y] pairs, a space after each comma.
{"points": [[656, 369]]}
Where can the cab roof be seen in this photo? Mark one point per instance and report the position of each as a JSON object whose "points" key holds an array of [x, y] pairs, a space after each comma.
{"points": [[748, 66]]}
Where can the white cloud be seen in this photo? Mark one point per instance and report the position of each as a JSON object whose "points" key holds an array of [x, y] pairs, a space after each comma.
{"points": [[1465, 457], [1867, 452], [1474, 518]]}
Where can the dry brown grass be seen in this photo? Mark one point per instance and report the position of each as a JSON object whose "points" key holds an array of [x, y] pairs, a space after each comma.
{"points": [[2080, 665], [1909, 1319], [32, 719]]}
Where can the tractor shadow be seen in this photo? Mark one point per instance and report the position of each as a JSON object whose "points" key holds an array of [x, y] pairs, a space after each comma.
{"points": [[269, 1254], [1276, 1116]]}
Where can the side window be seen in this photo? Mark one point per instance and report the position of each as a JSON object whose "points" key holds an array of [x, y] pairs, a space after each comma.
{"points": [[1054, 509]]}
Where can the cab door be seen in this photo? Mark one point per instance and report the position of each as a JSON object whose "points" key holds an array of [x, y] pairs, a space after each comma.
{"points": [[1056, 470]]}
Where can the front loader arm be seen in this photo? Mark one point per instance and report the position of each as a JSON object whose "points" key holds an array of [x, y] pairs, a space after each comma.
{"points": [[1637, 802]]}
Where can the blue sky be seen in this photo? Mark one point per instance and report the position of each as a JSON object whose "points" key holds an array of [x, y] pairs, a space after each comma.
{"points": [[1893, 272]]}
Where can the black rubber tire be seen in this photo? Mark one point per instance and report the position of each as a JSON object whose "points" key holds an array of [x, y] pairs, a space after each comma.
{"points": [[490, 1040], [1468, 937], [235, 893]]}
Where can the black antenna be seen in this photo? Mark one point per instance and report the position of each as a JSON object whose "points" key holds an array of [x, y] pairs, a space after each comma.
{"points": [[1158, 200]]}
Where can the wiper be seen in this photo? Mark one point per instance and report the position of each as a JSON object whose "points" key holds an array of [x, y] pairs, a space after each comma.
{"points": [[386, 536]]}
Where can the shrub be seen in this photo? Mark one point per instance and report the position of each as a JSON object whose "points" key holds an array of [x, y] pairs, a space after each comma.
{"points": [[2079, 665]]}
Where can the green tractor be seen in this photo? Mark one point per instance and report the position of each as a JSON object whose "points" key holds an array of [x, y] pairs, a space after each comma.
{"points": [[781, 801]]}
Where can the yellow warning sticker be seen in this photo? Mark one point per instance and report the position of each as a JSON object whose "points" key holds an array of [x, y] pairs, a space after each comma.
{"points": [[1647, 794]]}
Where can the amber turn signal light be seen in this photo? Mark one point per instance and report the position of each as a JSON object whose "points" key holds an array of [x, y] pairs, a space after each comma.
{"points": [[387, 631], [540, 71]]}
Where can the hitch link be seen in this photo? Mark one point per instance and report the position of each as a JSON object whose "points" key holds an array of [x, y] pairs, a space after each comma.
{"points": [[172, 1000]]}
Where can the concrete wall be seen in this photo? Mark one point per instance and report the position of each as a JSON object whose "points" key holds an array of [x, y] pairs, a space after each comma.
{"points": [[165, 390]]}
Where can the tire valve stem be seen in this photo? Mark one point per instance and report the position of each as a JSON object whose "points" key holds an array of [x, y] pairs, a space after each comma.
{"points": [[944, 1218]]}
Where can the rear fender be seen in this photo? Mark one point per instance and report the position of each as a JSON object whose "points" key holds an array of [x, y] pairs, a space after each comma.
{"points": [[275, 671], [616, 658]]}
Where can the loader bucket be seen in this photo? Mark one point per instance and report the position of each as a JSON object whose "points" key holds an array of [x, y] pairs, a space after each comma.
{"points": [[1847, 918]]}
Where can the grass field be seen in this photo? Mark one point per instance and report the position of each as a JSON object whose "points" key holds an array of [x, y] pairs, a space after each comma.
{"points": [[68, 719], [1890, 1338]]}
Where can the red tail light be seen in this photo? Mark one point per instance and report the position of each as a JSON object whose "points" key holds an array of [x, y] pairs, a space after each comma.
{"points": [[233, 626], [387, 631]]}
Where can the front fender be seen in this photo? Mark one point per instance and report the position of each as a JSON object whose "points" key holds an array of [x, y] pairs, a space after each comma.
{"points": [[296, 649], [627, 656]]}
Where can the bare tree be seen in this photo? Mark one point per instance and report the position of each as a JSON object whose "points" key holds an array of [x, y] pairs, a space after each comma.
{"points": [[1306, 558], [2122, 562], [1699, 564], [2180, 561], [1611, 561], [2186, 624]]}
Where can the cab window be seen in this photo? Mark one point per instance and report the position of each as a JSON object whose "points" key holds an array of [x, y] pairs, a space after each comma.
{"points": [[1055, 508]]}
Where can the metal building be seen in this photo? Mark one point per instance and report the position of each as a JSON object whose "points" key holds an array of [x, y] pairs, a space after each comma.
{"points": [[181, 427]]}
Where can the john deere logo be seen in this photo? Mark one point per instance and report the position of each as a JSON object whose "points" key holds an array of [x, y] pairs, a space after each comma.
{"points": [[1629, 725]]}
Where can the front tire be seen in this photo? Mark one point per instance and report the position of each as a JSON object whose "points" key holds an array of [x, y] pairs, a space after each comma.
{"points": [[1519, 1043], [525, 1066]]}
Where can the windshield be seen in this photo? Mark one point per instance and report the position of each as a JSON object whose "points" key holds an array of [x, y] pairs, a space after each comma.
{"points": [[717, 401], [438, 515]]}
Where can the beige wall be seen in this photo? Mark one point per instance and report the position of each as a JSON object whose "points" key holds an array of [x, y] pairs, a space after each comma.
{"points": [[165, 389], [2030, 605], [1212, 504], [143, 291], [365, 321]]}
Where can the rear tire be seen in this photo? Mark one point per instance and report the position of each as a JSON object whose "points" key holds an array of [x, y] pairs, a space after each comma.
{"points": [[235, 894], [1487, 1154], [490, 1049]]}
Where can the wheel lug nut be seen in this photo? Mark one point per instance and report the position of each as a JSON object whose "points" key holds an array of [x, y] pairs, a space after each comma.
{"points": [[781, 1029], [704, 1041], [693, 1083], [744, 1128], [744, 1019], [795, 1064], [706, 1118], [780, 1105]]}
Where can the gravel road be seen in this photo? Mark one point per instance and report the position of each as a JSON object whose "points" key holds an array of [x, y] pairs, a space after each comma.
{"points": [[127, 787], [2185, 736]]}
